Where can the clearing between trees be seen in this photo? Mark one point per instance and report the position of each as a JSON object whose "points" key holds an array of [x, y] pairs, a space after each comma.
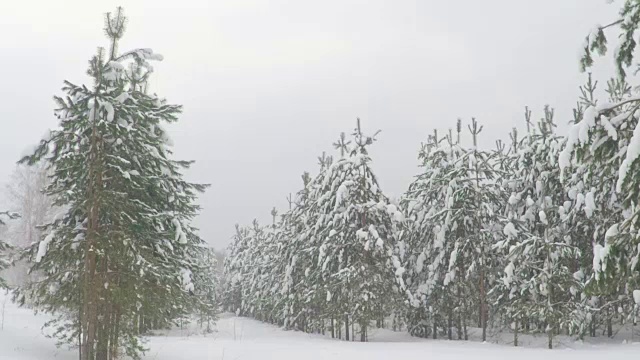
{"points": [[239, 338]]}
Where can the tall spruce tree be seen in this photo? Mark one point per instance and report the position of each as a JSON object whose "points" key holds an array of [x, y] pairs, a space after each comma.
{"points": [[123, 257]]}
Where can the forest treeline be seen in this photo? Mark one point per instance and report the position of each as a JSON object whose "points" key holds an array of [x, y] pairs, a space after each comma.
{"points": [[538, 235]]}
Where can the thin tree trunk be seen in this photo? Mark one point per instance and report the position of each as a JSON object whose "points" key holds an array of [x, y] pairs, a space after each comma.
{"points": [[346, 327], [609, 323], [353, 331], [89, 307], [483, 293], [90, 316], [515, 333], [116, 336], [483, 305], [450, 324], [142, 323], [104, 327], [80, 334], [464, 319], [435, 328], [459, 319]]}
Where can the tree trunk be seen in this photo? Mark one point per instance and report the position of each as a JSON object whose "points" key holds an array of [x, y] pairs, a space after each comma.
{"points": [[459, 319], [90, 315], [464, 319], [483, 304], [353, 331], [90, 311], [80, 334], [89, 307], [363, 332], [141, 323], [346, 327], [104, 332], [450, 325], [435, 329], [609, 323], [333, 330], [515, 333], [115, 337]]}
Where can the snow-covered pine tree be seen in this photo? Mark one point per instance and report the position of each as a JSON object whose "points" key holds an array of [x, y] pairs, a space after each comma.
{"points": [[470, 220], [272, 266], [506, 293], [619, 237], [252, 297], [122, 258], [262, 253], [432, 259], [538, 281], [275, 283], [254, 272], [233, 271], [206, 283], [354, 236], [298, 253], [598, 162]]}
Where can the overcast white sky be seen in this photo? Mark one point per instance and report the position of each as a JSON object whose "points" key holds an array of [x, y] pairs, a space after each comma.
{"points": [[268, 85]]}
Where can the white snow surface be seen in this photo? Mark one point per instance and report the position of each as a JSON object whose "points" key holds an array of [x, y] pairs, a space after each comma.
{"points": [[245, 339]]}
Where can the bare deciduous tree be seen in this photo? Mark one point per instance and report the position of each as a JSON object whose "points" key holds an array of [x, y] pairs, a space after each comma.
{"points": [[25, 197]]}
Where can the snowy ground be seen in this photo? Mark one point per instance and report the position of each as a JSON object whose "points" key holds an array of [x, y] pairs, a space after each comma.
{"points": [[240, 338]]}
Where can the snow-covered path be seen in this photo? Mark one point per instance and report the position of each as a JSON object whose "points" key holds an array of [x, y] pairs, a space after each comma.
{"points": [[241, 338]]}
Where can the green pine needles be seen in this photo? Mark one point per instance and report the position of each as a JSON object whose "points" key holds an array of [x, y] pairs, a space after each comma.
{"points": [[124, 258]]}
